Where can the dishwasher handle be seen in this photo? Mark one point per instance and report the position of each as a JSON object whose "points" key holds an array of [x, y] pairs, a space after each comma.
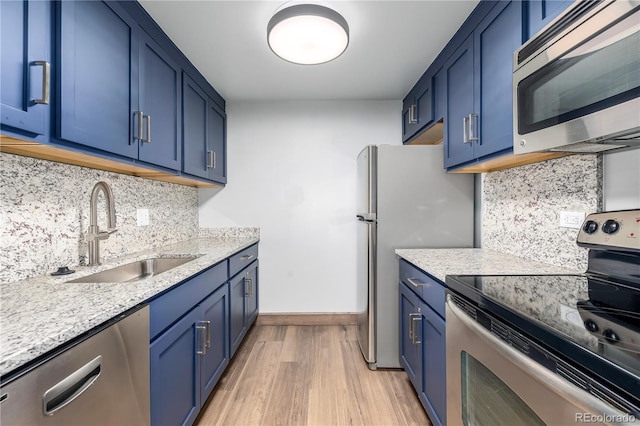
{"points": [[71, 387]]}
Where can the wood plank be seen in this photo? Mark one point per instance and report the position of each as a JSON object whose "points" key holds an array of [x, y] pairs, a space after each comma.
{"points": [[309, 375]]}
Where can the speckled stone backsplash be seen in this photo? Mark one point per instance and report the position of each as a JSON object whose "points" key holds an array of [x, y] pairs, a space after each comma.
{"points": [[521, 208], [44, 215]]}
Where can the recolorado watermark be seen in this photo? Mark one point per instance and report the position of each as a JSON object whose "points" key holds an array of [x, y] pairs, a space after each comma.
{"points": [[604, 418]]}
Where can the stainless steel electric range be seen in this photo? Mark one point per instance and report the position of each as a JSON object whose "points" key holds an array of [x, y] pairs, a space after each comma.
{"points": [[550, 349]]}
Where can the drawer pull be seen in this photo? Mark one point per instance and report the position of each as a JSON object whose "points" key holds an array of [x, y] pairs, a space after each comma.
{"points": [[247, 257], [416, 283]]}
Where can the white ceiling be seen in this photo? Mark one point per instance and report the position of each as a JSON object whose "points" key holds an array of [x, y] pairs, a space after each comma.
{"points": [[391, 44]]}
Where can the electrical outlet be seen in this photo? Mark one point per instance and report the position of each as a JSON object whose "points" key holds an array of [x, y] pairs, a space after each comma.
{"points": [[143, 217], [571, 219]]}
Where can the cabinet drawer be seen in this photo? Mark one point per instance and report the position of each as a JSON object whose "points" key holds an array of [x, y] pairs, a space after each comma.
{"points": [[166, 309], [241, 260], [425, 286]]}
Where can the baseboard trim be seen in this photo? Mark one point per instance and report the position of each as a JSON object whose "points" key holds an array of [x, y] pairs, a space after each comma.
{"points": [[306, 319]]}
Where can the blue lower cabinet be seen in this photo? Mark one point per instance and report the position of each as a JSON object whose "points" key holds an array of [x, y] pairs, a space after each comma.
{"points": [[422, 342], [243, 297], [431, 333], [175, 378], [215, 311], [188, 359], [410, 345]]}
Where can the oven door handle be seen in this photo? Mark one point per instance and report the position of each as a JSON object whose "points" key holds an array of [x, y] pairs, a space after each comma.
{"points": [[537, 372]]}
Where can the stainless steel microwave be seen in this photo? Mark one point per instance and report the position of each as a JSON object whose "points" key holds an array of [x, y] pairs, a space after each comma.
{"points": [[576, 83]]}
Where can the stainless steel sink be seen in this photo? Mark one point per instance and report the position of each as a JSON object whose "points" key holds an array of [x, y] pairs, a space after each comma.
{"points": [[135, 271]]}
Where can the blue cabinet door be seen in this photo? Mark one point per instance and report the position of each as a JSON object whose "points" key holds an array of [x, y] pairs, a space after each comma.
{"points": [[434, 381], [215, 312], [410, 346], [195, 144], [460, 102], [495, 39], [541, 12], [98, 76], [160, 98], [252, 293], [418, 108], [237, 293], [24, 58], [175, 378], [217, 142]]}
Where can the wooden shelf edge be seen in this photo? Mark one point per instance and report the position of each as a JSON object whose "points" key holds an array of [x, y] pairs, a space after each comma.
{"points": [[433, 135], [32, 149], [508, 161]]}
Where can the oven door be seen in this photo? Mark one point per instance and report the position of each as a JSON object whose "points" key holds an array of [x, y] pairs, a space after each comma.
{"points": [[490, 383]]}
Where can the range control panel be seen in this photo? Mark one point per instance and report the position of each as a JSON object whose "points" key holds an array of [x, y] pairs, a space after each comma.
{"points": [[612, 229]]}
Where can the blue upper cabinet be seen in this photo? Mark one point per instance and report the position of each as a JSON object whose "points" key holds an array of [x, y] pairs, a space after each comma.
{"points": [[541, 12], [495, 40], [204, 134], [478, 122], [460, 103], [25, 65], [217, 127], [158, 120], [120, 92], [98, 76], [418, 108]]}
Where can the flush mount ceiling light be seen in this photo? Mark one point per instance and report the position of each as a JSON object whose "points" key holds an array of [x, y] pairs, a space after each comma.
{"points": [[307, 33]]}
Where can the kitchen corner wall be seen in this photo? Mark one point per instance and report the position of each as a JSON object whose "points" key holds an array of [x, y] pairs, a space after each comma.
{"points": [[44, 215], [292, 172], [521, 208]]}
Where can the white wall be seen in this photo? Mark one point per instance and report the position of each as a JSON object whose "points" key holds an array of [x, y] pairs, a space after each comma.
{"points": [[622, 180], [292, 172]]}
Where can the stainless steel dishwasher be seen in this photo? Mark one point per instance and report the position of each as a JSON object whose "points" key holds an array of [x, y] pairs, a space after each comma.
{"points": [[99, 379]]}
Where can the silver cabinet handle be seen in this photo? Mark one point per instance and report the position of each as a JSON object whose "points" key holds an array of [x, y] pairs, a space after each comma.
{"points": [[202, 328], [207, 325], [209, 159], [416, 283], [472, 118], [247, 257], [46, 82], [465, 125], [71, 387], [148, 138], [214, 159], [412, 114], [248, 287], [139, 116], [412, 331]]}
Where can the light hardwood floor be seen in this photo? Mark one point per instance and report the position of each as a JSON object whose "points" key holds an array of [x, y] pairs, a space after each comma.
{"points": [[309, 375]]}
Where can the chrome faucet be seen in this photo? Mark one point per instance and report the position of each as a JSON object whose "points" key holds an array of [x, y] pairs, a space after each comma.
{"points": [[95, 235]]}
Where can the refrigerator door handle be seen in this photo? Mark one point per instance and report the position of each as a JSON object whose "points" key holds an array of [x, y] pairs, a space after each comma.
{"points": [[366, 217]]}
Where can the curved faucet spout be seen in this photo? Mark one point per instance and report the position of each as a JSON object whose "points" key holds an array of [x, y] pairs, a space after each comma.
{"points": [[95, 235], [108, 195]]}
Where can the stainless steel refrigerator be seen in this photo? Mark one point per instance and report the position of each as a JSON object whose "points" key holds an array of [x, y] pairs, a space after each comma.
{"points": [[405, 200]]}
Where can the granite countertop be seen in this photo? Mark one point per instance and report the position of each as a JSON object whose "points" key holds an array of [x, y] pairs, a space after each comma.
{"points": [[468, 261], [41, 313]]}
